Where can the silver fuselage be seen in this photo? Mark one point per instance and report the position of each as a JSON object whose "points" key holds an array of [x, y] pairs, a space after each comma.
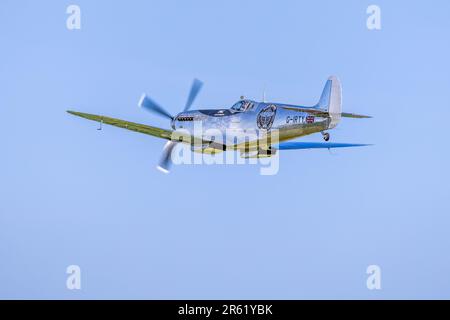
{"points": [[237, 127]]}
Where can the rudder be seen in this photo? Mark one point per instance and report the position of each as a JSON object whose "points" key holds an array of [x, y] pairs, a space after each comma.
{"points": [[331, 100]]}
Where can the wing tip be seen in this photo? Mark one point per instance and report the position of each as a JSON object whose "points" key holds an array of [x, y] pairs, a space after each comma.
{"points": [[74, 113], [363, 145]]}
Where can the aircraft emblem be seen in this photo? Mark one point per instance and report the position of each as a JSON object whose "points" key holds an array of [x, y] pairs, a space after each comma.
{"points": [[266, 116]]}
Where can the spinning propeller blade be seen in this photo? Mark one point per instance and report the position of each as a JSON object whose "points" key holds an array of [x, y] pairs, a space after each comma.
{"points": [[166, 159], [150, 105], [196, 86]]}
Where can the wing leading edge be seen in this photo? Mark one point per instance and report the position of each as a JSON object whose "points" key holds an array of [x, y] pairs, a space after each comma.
{"points": [[141, 128]]}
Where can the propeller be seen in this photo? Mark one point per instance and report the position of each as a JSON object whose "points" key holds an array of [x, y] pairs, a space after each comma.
{"points": [[166, 159], [196, 86], [148, 104]]}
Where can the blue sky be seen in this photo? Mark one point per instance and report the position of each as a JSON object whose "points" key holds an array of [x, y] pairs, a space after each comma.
{"points": [[73, 195]]}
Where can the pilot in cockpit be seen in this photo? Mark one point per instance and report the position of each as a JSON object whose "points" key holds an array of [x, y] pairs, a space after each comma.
{"points": [[241, 106]]}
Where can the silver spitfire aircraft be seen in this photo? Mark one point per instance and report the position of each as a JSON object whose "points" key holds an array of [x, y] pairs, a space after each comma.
{"points": [[255, 129]]}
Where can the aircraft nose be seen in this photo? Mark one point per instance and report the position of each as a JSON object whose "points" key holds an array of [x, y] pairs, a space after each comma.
{"points": [[183, 120]]}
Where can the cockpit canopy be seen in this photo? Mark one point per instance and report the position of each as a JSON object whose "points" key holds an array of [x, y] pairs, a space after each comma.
{"points": [[243, 105]]}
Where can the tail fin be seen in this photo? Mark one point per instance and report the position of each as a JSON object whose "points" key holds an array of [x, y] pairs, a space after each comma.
{"points": [[331, 100]]}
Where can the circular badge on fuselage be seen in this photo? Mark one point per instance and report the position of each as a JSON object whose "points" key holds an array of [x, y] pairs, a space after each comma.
{"points": [[266, 117]]}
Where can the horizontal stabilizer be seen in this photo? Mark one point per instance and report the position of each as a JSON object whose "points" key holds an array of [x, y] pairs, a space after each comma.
{"points": [[354, 115], [315, 145]]}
